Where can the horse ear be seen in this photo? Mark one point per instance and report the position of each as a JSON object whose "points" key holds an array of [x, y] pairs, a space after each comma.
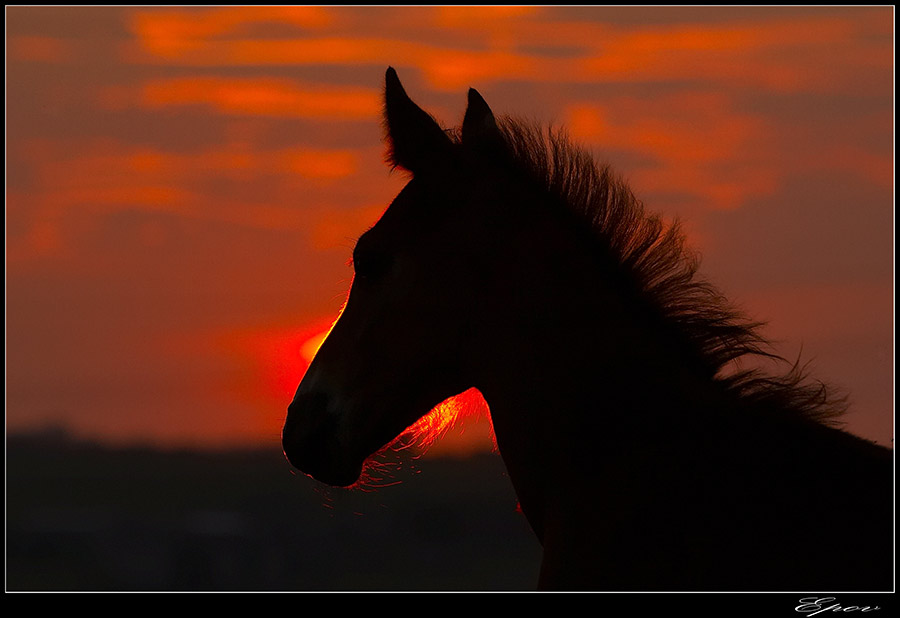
{"points": [[479, 130], [479, 123], [415, 141]]}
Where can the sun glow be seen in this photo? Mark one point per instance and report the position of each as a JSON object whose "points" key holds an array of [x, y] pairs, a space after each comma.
{"points": [[311, 346]]}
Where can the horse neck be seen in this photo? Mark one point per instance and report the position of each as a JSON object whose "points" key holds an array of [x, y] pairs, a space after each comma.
{"points": [[577, 385], [626, 455]]}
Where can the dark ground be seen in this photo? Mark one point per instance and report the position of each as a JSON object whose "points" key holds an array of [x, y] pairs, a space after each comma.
{"points": [[84, 517]]}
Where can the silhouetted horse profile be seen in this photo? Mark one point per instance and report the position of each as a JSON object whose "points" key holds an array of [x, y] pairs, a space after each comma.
{"points": [[642, 459]]}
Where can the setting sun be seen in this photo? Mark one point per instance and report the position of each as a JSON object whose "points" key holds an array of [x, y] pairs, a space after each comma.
{"points": [[311, 346]]}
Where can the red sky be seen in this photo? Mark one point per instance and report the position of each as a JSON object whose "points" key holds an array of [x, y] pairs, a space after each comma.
{"points": [[184, 185]]}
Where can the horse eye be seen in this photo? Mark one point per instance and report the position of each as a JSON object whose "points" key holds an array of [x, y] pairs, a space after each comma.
{"points": [[371, 265]]}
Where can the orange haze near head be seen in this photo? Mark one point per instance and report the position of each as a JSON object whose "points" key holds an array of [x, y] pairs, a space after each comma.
{"points": [[185, 185]]}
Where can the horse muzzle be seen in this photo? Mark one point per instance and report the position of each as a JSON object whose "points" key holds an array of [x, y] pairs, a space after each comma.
{"points": [[311, 442]]}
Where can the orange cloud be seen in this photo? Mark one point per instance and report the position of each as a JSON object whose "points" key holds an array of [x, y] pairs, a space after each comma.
{"points": [[700, 145], [171, 32], [111, 165], [319, 163], [773, 54], [175, 40], [445, 68], [264, 96], [518, 43], [474, 17], [106, 176], [499, 26], [868, 165], [341, 228]]}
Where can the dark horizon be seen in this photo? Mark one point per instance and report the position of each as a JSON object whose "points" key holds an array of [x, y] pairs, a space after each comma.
{"points": [[84, 516]]}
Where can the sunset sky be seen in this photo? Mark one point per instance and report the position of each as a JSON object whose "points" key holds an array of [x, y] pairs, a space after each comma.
{"points": [[185, 185]]}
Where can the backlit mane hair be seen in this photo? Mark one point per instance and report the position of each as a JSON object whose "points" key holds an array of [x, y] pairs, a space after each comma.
{"points": [[655, 261]]}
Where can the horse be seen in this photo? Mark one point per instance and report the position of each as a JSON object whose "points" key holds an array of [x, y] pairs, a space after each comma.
{"points": [[645, 454]]}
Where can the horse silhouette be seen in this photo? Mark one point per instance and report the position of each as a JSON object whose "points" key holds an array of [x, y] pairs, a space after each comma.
{"points": [[641, 457]]}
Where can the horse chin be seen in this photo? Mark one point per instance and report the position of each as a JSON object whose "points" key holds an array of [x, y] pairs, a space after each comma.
{"points": [[339, 477], [322, 458], [330, 470]]}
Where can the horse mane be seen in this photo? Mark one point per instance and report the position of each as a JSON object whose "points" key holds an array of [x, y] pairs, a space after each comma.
{"points": [[654, 258]]}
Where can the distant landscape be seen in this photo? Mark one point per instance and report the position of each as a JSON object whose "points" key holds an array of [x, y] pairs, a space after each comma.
{"points": [[87, 517]]}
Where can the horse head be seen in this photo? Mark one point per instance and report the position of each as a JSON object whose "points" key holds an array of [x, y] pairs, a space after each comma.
{"points": [[396, 350]]}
